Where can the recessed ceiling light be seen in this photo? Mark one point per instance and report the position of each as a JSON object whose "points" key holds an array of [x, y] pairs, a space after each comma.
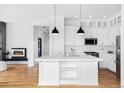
{"points": [[76, 16], [90, 16], [104, 16]]}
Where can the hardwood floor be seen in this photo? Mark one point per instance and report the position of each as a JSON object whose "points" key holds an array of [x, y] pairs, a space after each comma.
{"points": [[22, 76]]}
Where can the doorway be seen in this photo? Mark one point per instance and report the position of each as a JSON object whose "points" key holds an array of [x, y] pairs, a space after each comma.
{"points": [[41, 41], [39, 47]]}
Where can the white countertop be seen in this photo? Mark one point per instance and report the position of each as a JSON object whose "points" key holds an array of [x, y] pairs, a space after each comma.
{"points": [[65, 58]]}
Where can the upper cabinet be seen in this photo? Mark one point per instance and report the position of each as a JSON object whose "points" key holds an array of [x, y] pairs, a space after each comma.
{"points": [[71, 36], [104, 29]]}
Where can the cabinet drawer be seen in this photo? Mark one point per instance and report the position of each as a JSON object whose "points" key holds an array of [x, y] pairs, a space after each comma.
{"points": [[69, 64], [69, 74]]}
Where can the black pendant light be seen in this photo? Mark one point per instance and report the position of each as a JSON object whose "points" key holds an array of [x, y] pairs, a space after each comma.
{"points": [[55, 31], [80, 31]]}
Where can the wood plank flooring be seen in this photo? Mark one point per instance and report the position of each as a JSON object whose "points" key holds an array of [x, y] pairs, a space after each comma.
{"points": [[20, 76]]}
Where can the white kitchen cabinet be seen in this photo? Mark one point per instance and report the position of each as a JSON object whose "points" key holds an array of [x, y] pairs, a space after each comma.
{"points": [[113, 32], [104, 56], [103, 63], [49, 73], [88, 73], [88, 33], [112, 37], [69, 72], [108, 61], [111, 65], [71, 36], [62, 70], [102, 35], [105, 36], [91, 32], [80, 73], [99, 36]]}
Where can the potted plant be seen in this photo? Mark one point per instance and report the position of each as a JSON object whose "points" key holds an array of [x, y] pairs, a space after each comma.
{"points": [[6, 55]]}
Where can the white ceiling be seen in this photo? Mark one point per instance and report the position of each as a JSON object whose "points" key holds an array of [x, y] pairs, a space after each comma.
{"points": [[95, 10], [67, 10]]}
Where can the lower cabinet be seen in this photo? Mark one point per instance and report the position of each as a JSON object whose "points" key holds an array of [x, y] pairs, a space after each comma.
{"points": [[103, 64], [89, 73], [49, 73], [111, 62], [68, 72]]}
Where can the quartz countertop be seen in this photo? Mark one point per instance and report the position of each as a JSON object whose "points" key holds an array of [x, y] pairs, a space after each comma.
{"points": [[65, 58]]}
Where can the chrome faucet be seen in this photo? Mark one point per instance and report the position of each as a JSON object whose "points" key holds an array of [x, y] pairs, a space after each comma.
{"points": [[72, 52]]}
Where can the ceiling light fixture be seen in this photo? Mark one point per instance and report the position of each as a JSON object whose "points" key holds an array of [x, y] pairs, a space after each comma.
{"points": [[80, 31], [76, 16], [55, 31], [90, 16]]}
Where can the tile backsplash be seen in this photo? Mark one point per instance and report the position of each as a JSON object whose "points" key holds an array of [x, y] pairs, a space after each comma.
{"points": [[79, 50]]}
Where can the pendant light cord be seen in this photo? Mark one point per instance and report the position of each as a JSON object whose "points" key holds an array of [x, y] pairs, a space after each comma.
{"points": [[55, 14], [80, 15]]}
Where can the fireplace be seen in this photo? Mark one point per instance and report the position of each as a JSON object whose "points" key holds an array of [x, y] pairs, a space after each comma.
{"points": [[19, 54]]}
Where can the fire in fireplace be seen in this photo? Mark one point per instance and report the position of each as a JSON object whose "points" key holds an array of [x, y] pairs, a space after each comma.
{"points": [[19, 52]]}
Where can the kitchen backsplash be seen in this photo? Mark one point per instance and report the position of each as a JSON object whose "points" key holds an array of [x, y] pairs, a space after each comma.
{"points": [[79, 50]]}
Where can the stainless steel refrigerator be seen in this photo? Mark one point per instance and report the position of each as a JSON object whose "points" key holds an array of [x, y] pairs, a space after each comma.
{"points": [[118, 56]]}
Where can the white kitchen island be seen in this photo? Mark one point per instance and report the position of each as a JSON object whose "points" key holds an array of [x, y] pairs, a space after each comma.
{"points": [[81, 70]]}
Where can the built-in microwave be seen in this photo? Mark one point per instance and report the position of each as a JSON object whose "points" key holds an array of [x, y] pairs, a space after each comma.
{"points": [[90, 41]]}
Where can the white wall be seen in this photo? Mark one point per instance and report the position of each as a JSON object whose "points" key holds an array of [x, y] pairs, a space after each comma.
{"points": [[20, 34], [38, 33], [36, 11], [46, 42]]}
